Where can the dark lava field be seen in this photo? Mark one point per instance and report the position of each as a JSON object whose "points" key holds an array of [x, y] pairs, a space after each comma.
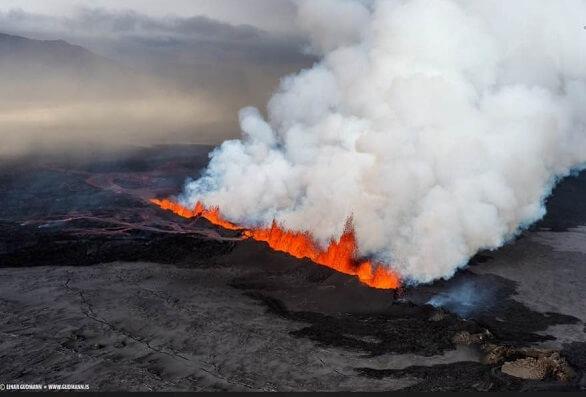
{"points": [[99, 287]]}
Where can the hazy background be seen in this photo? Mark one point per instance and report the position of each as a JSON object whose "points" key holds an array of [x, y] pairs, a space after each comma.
{"points": [[78, 74]]}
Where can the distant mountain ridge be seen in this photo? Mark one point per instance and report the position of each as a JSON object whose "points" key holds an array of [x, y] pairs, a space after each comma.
{"points": [[32, 68], [50, 49]]}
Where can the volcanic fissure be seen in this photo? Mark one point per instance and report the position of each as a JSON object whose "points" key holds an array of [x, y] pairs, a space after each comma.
{"points": [[339, 255]]}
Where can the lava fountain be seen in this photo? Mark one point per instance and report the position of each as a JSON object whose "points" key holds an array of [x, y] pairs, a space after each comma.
{"points": [[339, 255]]}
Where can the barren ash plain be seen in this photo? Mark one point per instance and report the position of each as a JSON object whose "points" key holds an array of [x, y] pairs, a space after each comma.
{"points": [[99, 286]]}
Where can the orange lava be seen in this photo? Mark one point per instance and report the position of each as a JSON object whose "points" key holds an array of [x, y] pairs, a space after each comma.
{"points": [[212, 215], [338, 256]]}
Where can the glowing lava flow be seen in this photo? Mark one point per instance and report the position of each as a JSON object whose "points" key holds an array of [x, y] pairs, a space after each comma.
{"points": [[338, 256]]}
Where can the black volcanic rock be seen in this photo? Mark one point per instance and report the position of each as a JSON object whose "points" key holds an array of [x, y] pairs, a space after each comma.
{"points": [[99, 286]]}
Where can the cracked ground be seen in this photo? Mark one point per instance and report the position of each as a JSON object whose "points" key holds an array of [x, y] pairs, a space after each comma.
{"points": [[153, 327], [98, 287]]}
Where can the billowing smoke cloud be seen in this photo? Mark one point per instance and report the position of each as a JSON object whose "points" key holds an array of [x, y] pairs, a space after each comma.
{"points": [[438, 126]]}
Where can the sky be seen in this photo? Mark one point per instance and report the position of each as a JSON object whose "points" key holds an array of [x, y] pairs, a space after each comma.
{"points": [[206, 58], [269, 15]]}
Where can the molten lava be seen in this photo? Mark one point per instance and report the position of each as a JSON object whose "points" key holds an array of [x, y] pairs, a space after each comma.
{"points": [[338, 255]]}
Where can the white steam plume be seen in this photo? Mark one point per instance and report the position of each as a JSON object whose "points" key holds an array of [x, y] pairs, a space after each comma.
{"points": [[438, 126]]}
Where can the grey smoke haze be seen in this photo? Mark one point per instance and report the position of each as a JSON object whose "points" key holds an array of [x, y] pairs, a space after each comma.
{"points": [[464, 299], [438, 126], [269, 15], [150, 78]]}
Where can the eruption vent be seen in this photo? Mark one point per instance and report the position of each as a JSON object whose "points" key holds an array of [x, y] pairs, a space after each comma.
{"points": [[339, 255], [437, 126]]}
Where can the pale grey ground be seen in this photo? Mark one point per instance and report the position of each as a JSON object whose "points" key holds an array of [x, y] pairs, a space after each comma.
{"points": [[147, 326], [144, 326], [550, 269]]}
